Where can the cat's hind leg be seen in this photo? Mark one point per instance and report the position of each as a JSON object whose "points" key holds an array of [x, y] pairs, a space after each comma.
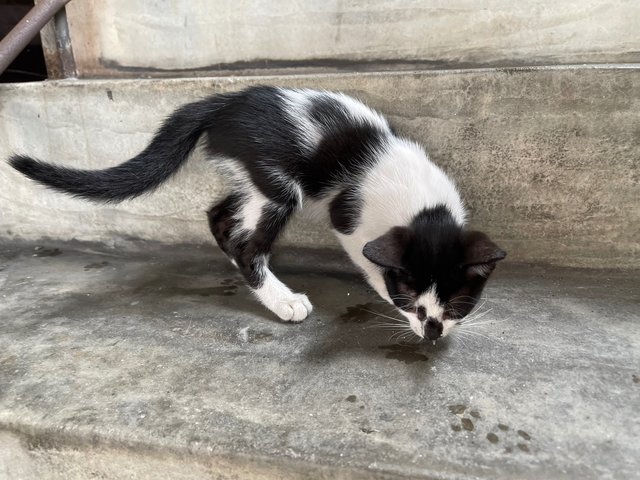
{"points": [[223, 222], [245, 227]]}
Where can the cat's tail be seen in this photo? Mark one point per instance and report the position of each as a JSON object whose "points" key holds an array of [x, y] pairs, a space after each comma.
{"points": [[166, 153]]}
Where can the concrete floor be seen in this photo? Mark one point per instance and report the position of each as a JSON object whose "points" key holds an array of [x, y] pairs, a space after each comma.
{"points": [[120, 364]]}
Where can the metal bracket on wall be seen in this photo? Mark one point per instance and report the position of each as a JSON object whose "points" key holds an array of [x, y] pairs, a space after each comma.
{"points": [[57, 49]]}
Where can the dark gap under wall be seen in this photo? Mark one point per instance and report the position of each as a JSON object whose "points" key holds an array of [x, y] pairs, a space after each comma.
{"points": [[29, 65]]}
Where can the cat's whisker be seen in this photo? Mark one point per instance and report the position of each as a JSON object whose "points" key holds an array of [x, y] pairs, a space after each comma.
{"points": [[407, 336], [477, 316], [461, 302], [381, 301], [477, 334], [487, 322], [459, 338], [394, 335], [393, 322], [381, 314], [483, 324], [400, 335], [391, 328], [474, 311], [463, 335], [398, 295]]}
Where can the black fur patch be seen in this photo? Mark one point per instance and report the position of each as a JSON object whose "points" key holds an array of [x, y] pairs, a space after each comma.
{"points": [[436, 255], [344, 211], [222, 223], [254, 128], [252, 255]]}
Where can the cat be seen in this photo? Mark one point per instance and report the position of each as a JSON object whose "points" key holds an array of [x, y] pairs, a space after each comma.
{"points": [[397, 215]]}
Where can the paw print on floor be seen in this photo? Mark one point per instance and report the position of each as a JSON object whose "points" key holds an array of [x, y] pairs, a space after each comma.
{"points": [[498, 434], [523, 438], [228, 286], [465, 423]]}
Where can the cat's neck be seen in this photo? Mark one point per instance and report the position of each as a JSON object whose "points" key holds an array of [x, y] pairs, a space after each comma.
{"points": [[403, 183]]}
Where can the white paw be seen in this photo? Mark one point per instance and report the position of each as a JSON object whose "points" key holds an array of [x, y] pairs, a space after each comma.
{"points": [[294, 308]]}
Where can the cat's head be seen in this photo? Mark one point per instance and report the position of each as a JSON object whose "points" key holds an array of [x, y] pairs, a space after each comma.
{"points": [[434, 270]]}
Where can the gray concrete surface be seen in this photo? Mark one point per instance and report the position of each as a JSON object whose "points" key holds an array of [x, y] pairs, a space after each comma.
{"points": [[120, 364], [546, 159], [122, 38]]}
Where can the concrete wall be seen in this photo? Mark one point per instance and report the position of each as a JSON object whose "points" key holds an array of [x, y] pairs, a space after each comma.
{"points": [[547, 159], [122, 38]]}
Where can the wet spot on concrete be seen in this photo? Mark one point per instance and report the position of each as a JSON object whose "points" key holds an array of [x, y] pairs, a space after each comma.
{"points": [[524, 435], [225, 290], [635, 379], [474, 414], [96, 265], [47, 252], [467, 424], [503, 427], [404, 353], [492, 437], [351, 398], [456, 428], [172, 285], [457, 409], [202, 292], [523, 447], [260, 337], [359, 314]]}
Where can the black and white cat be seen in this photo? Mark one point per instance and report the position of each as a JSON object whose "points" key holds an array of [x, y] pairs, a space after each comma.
{"points": [[397, 215]]}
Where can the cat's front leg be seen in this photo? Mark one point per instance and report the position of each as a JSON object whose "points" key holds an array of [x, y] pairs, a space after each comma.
{"points": [[249, 248], [275, 295]]}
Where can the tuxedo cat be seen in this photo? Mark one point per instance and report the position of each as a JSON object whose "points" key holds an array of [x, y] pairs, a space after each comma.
{"points": [[397, 215]]}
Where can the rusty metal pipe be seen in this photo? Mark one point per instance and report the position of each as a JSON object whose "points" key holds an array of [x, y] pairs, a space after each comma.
{"points": [[20, 36]]}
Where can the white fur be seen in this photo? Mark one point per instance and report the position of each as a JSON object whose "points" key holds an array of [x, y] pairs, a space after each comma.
{"points": [[298, 102], [401, 184], [434, 309], [251, 211], [232, 171], [447, 326], [416, 325], [277, 297], [429, 300], [317, 210]]}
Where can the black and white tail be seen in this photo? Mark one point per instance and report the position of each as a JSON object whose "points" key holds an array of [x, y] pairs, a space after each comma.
{"points": [[166, 153]]}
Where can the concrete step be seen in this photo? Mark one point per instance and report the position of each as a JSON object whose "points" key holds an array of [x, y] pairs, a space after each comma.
{"points": [[546, 158], [123, 364]]}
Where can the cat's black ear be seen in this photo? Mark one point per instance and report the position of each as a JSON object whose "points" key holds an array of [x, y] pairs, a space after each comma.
{"points": [[388, 250], [480, 253]]}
